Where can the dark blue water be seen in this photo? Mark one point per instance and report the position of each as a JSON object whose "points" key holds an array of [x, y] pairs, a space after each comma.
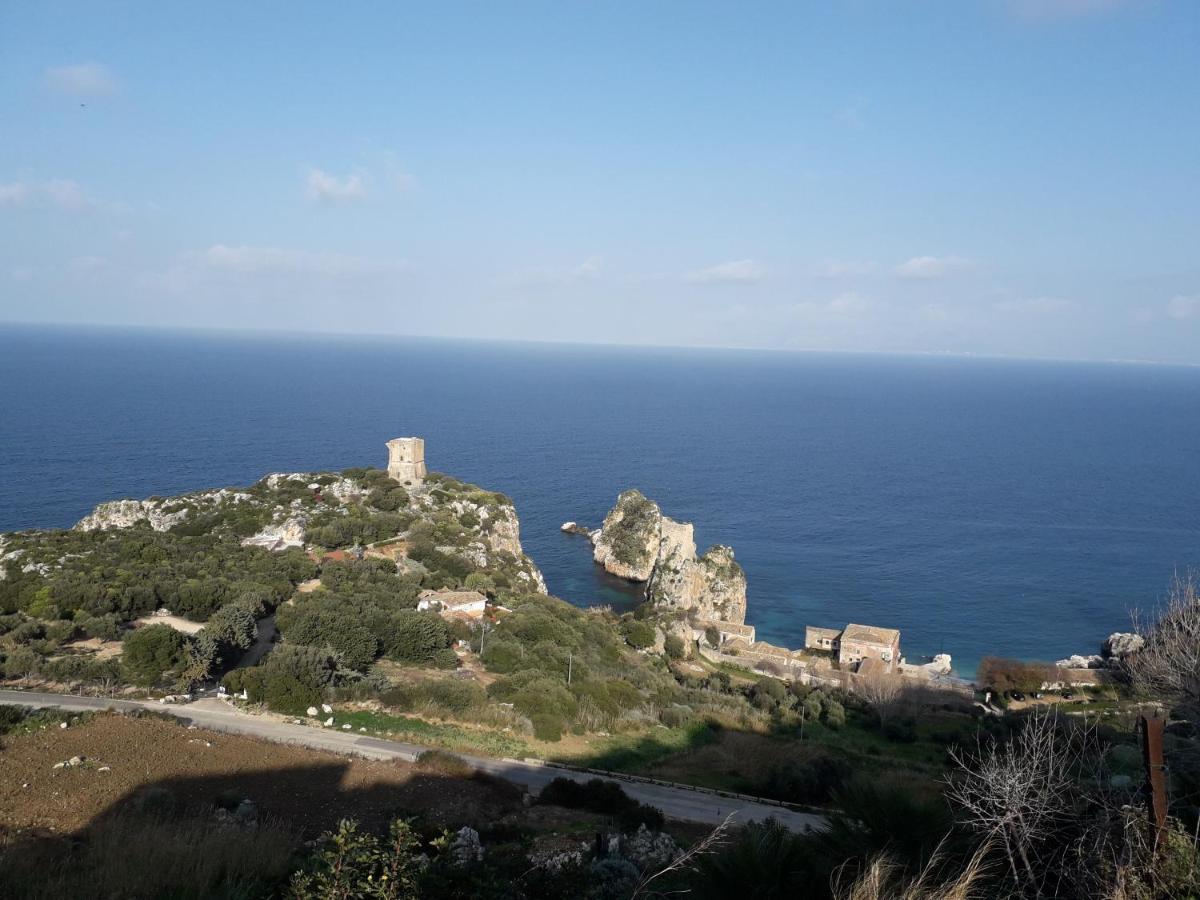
{"points": [[981, 506]]}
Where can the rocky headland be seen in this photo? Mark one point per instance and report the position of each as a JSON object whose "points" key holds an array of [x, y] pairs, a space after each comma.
{"points": [[639, 544]]}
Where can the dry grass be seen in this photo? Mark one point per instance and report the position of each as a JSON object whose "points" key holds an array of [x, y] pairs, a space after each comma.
{"points": [[883, 880]]}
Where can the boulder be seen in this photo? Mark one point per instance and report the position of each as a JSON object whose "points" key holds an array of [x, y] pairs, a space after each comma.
{"points": [[326, 708], [312, 711], [1121, 644], [329, 722], [1076, 661]]}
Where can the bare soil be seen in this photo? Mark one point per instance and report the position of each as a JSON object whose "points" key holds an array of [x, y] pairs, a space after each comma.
{"points": [[309, 789]]}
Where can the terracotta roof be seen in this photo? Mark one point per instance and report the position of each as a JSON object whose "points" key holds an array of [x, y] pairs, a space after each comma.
{"points": [[869, 634]]}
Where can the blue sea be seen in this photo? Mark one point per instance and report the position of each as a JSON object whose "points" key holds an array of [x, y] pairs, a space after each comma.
{"points": [[980, 506]]}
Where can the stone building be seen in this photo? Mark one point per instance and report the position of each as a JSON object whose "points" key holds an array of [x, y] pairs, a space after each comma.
{"points": [[859, 642], [406, 460], [855, 643], [468, 603]]}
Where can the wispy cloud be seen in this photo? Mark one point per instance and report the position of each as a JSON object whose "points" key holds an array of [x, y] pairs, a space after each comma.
{"points": [[60, 192], [1184, 307], [277, 260], [83, 80], [588, 270], [1034, 305], [844, 268], [738, 271], [323, 187], [927, 268]]}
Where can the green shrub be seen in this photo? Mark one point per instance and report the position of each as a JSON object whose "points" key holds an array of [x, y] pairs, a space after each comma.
{"points": [[547, 726], [150, 652], [674, 647], [639, 635], [604, 797], [288, 694]]}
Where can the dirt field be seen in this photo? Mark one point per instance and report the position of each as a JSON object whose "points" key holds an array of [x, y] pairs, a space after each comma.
{"points": [[307, 788], [179, 624]]}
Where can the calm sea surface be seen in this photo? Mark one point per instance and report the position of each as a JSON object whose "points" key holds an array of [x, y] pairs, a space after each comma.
{"points": [[980, 506]]}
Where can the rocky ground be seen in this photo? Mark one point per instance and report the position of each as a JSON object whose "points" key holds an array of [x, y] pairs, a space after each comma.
{"points": [[123, 758]]}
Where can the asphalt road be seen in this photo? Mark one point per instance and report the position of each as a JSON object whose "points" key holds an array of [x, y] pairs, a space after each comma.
{"points": [[677, 802]]}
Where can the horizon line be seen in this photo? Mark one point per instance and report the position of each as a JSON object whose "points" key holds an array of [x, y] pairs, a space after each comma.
{"points": [[391, 335]]}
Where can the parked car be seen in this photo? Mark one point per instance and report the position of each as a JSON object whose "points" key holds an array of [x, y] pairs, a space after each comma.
{"points": [[1067, 695], [1017, 695]]}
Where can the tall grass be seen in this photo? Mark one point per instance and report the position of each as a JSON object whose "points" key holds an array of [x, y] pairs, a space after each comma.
{"points": [[135, 855]]}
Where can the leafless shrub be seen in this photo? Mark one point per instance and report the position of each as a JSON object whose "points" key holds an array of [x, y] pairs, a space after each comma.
{"points": [[883, 690], [1027, 796], [1168, 666]]}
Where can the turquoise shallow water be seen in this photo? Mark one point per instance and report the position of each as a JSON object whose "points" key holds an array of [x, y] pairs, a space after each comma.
{"points": [[980, 506]]}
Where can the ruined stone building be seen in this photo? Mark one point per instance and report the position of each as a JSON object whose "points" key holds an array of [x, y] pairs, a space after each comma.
{"points": [[406, 460]]}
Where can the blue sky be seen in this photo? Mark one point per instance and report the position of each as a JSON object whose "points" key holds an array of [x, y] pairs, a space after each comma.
{"points": [[1016, 177]]}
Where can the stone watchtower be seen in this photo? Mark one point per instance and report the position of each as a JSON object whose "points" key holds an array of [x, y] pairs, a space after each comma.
{"points": [[406, 459]]}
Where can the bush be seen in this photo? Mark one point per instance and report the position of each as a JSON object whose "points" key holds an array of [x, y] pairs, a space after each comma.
{"points": [[639, 635], [547, 727], [604, 797], [812, 781], [674, 647], [152, 651], [417, 636], [835, 714], [900, 730], [288, 694]]}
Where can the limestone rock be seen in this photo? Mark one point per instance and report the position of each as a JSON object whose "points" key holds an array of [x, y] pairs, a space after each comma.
{"points": [[280, 535], [629, 540], [712, 587], [1077, 661], [1122, 644]]}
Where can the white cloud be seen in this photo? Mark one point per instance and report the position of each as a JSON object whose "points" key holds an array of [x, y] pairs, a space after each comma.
{"points": [[844, 268], [1182, 307], [738, 271], [847, 304], [926, 268], [330, 189], [83, 80], [1035, 305], [60, 192], [279, 261]]}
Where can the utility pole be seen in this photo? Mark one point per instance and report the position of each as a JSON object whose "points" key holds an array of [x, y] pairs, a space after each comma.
{"points": [[1156, 777]]}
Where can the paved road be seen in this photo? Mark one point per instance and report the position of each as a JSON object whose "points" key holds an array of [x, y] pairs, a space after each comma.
{"points": [[681, 802]]}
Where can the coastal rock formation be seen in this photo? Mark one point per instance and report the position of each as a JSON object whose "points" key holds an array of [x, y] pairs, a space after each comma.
{"points": [[1121, 644], [628, 542], [161, 513], [638, 543], [1076, 661]]}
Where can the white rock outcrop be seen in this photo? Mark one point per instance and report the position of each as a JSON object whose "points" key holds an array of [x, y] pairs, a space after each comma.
{"points": [[638, 543], [1121, 644]]}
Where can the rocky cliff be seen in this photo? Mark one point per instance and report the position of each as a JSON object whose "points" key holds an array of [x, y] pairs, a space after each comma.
{"points": [[638, 543], [279, 512]]}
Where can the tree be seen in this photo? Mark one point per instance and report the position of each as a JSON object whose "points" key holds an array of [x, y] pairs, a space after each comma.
{"points": [[882, 690], [417, 636], [150, 652]]}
